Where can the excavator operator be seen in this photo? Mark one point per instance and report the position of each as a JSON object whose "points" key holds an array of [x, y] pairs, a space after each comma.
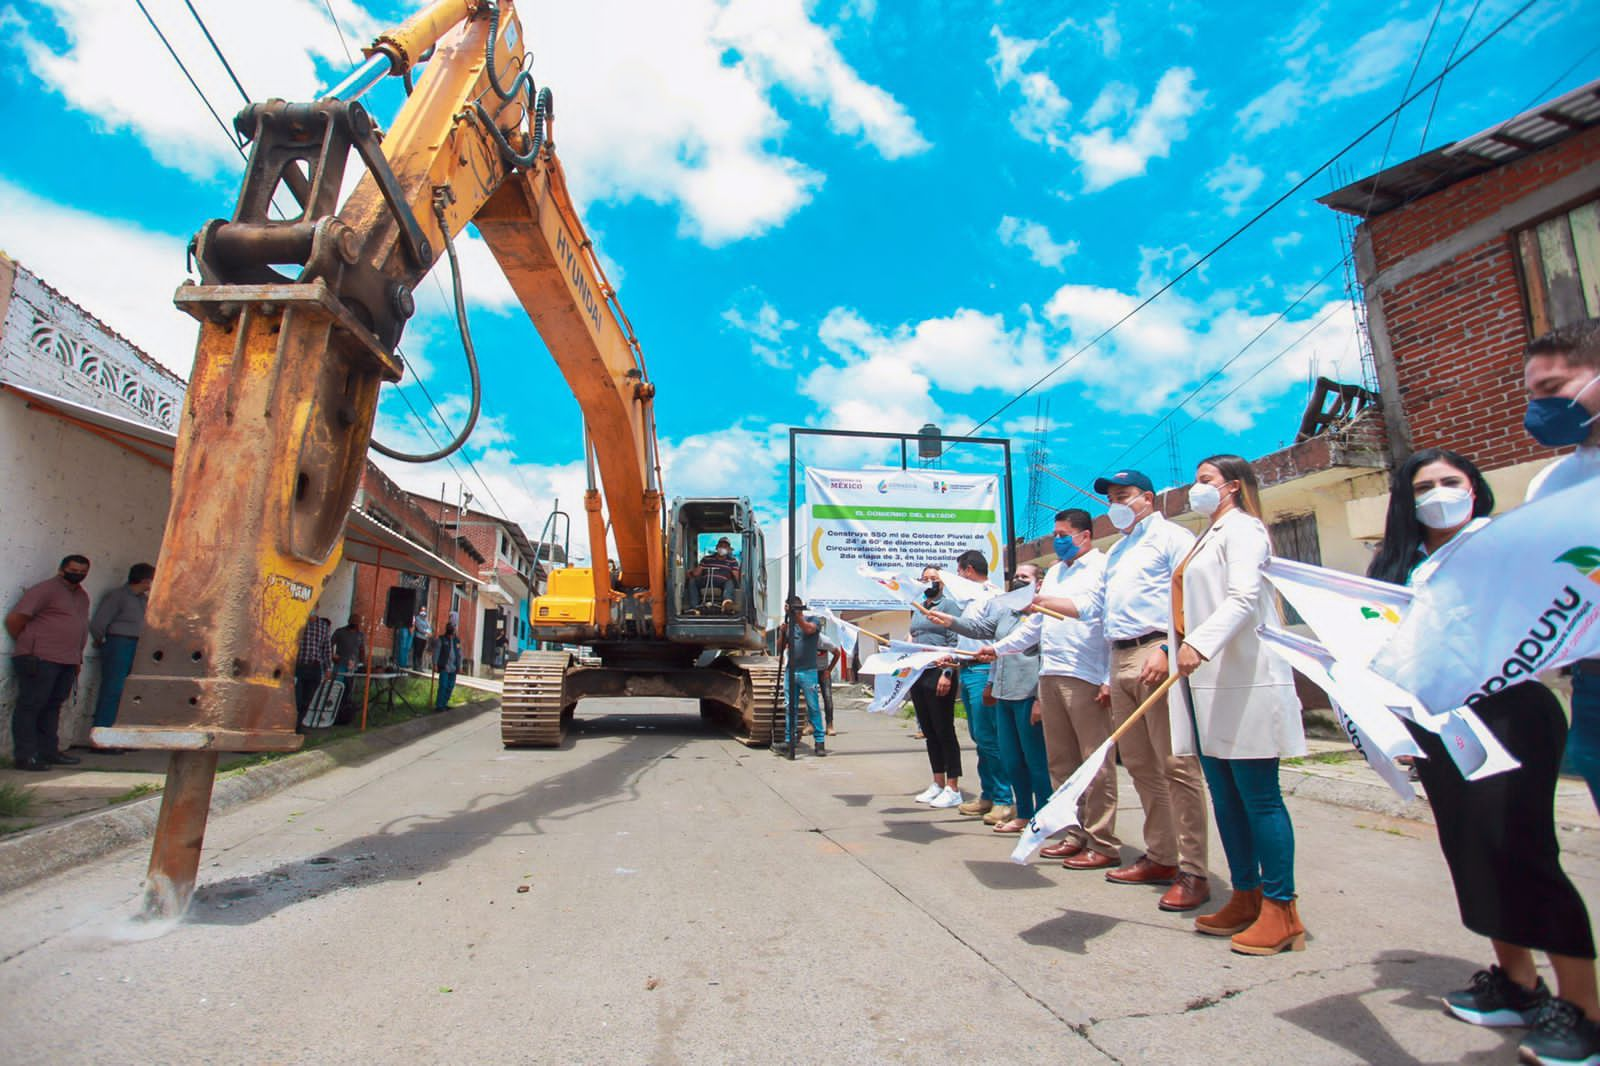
{"points": [[715, 578]]}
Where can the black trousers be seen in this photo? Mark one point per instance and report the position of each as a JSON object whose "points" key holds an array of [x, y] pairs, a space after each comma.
{"points": [[1499, 834], [936, 715], [42, 687], [307, 676], [825, 682]]}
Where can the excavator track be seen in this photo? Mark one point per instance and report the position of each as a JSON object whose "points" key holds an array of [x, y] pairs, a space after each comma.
{"points": [[766, 702], [533, 706]]}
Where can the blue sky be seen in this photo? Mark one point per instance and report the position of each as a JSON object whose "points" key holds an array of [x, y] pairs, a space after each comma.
{"points": [[854, 214]]}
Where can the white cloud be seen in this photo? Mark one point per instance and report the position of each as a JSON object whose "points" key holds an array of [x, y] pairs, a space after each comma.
{"points": [[1288, 240], [126, 281], [1110, 35], [670, 102], [1318, 74], [1234, 182], [1043, 110], [1273, 109], [782, 46], [1116, 99], [651, 104], [1108, 157], [754, 315], [115, 69], [1160, 354], [1024, 233]]}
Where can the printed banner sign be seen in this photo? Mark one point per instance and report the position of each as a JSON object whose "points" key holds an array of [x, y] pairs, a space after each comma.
{"points": [[858, 522]]}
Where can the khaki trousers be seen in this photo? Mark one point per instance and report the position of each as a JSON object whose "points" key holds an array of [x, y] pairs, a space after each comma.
{"points": [[1171, 787], [1075, 724]]}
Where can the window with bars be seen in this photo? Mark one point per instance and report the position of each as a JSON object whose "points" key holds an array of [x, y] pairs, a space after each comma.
{"points": [[1295, 537], [1561, 268]]}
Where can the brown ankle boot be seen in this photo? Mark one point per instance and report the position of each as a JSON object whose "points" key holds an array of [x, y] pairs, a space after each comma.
{"points": [[1237, 915], [1277, 929]]}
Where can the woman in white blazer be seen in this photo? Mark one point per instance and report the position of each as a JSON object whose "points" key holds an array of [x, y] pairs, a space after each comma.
{"points": [[1236, 706]]}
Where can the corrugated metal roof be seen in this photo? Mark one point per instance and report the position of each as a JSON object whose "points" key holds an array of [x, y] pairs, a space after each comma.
{"points": [[1542, 126]]}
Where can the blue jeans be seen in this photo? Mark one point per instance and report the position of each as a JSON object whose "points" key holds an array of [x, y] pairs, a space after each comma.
{"points": [[807, 685], [1253, 823], [1022, 750], [1583, 739], [447, 685], [402, 647], [982, 727], [116, 663]]}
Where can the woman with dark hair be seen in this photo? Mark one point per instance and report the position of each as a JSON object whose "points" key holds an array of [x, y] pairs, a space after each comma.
{"points": [[1498, 833], [1236, 707], [1434, 495]]}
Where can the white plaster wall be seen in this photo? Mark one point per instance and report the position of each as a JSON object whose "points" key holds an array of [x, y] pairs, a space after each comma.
{"points": [[338, 595], [65, 491]]}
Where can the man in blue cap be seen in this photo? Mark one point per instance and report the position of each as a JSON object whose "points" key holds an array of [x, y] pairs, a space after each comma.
{"points": [[1136, 601]]}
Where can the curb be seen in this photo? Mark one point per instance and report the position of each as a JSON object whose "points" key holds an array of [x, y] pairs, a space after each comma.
{"points": [[1375, 797], [33, 855]]}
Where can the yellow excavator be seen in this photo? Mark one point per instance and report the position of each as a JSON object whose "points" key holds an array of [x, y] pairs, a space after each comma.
{"points": [[300, 320]]}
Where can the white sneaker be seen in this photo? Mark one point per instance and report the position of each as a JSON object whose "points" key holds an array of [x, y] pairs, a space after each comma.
{"points": [[928, 794], [948, 797]]}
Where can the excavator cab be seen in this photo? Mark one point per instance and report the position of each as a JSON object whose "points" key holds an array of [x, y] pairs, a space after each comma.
{"points": [[716, 574]]}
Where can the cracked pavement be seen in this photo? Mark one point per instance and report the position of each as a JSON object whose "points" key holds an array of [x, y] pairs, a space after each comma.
{"points": [[656, 893]]}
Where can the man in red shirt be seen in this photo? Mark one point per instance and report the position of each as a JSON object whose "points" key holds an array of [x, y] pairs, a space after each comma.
{"points": [[49, 624]]}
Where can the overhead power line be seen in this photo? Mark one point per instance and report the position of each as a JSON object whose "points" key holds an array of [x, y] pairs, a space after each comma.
{"points": [[1258, 216], [1422, 142], [1209, 378], [213, 42], [227, 131]]}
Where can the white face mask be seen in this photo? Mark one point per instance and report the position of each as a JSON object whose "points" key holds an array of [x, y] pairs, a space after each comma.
{"points": [[1121, 516], [1444, 507], [1204, 499]]}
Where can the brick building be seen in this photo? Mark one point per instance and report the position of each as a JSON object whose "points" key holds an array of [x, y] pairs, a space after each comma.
{"points": [[393, 508], [1465, 254], [89, 423]]}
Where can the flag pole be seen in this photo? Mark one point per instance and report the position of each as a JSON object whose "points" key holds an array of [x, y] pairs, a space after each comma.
{"points": [[1150, 701]]}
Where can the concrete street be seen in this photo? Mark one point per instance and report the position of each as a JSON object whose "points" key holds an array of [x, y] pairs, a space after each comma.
{"points": [[691, 900]]}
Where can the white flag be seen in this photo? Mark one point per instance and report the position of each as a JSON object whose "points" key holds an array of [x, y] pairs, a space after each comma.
{"points": [[1518, 597], [1364, 696], [897, 585], [1352, 616], [845, 634], [897, 657], [1061, 810], [891, 691], [966, 591], [1375, 731], [1017, 599]]}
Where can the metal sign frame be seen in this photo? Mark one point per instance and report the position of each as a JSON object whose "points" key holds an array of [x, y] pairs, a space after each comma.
{"points": [[787, 743]]}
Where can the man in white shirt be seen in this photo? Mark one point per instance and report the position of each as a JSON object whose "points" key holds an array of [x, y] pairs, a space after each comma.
{"points": [[1135, 605], [1562, 374], [994, 802], [1072, 668]]}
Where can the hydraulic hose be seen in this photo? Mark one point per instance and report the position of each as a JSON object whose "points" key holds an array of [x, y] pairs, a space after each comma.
{"points": [[466, 346]]}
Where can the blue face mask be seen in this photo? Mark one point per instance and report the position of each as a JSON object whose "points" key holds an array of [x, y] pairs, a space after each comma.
{"points": [[1066, 548], [1556, 422]]}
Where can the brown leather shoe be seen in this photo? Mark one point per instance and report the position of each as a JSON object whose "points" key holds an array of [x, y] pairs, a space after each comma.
{"points": [[1277, 929], [1187, 892], [1143, 872], [1066, 849], [1237, 915], [976, 807], [1089, 860]]}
